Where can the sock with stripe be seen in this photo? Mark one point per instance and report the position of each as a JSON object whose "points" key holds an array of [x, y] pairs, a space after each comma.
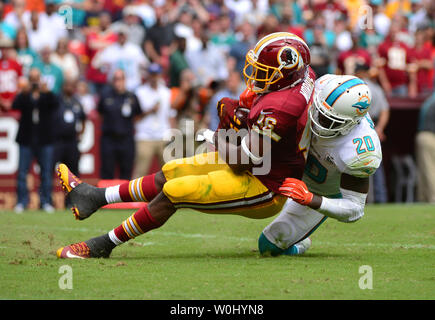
{"points": [[138, 223], [142, 189]]}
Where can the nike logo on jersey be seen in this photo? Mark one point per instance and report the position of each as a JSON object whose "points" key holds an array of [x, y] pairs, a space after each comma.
{"points": [[266, 112], [368, 162]]}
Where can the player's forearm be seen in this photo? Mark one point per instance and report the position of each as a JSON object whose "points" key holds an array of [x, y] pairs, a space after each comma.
{"points": [[350, 208], [232, 154]]}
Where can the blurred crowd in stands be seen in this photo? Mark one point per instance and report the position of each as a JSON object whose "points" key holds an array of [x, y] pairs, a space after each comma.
{"points": [[144, 66]]}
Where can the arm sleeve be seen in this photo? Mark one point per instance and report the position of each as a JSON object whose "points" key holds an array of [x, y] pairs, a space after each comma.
{"points": [[350, 208]]}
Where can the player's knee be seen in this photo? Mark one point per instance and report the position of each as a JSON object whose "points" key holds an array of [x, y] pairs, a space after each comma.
{"points": [[159, 180], [182, 189]]}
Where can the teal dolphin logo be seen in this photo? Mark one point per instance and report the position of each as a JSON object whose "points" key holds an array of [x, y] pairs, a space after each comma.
{"points": [[362, 106]]}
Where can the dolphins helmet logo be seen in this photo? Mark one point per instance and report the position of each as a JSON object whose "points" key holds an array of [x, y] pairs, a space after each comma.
{"points": [[362, 105]]}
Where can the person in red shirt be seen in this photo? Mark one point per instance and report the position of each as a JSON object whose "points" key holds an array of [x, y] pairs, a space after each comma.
{"points": [[240, 178], [10, 72], [98, 39], [397, 72], [424, 63], [349, 59]]}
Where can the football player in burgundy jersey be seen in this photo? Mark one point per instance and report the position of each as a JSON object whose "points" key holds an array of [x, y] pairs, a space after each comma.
{"points": [[272, 148]]}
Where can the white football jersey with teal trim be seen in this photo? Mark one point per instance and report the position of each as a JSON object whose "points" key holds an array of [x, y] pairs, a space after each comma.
{"points": [[357, 153]]}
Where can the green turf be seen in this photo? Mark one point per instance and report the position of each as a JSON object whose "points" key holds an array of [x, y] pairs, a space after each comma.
{"points": [[199, 256]]}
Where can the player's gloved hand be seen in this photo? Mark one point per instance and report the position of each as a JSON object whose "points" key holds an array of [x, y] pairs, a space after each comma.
{"points": [[297, 190], [246, 99], [228, 116]]}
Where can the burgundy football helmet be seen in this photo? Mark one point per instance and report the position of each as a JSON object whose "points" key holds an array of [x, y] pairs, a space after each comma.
{"points": [[277, 61]]}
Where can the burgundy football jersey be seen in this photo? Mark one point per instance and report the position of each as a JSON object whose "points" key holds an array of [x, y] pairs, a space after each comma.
{"points": [[283, 115], [10, 71], [398, 56]]}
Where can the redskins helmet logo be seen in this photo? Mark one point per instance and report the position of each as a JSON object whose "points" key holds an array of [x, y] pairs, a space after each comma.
{"points": [[362, 105], [288, 57]]}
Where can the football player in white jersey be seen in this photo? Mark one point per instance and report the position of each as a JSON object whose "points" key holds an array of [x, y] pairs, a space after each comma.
{"points": [[344, 151]]}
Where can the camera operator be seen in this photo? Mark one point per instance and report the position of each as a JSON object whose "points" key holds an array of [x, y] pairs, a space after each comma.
{"points": [[35, 138]]}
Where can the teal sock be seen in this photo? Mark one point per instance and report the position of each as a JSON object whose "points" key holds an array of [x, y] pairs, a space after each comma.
{"points": [[267, 247]]}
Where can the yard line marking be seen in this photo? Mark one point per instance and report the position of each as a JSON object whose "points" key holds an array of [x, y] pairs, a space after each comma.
{"points": [[145, 244]]}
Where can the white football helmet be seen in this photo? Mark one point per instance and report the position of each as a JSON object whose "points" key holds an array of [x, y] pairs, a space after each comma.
{"points": [[340, 102]]}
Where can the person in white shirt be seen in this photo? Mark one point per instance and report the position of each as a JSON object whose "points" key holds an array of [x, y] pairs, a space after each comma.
{"points": [[208, 64], [123, 55], [40, 34], [155, 101], [65, 60]]}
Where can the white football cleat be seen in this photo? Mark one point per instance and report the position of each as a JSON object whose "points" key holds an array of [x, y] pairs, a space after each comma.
{"points": [[303, 245]]}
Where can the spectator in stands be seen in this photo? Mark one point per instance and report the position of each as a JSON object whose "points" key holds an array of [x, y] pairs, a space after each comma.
{"points": [[256, 14], [194, 42], [131, 21], [424, 62], [118, 108], [343, 36], [19, 17], [332, 11], [177, 62], [183, 17], [93, 11], [425, 151], [245, 41], [98, 39], [232, 88], [348, 59], [126, 56], [185, 101], [318, 25], [87, 100], [26, 56], [269, 25], [41, 35], [54, 21], [6, 29], [155, 101], [380, 113], [65, 60], [225, 37], [381, 22], [146, 11], [51, 73], [320, 53], [10, 73], [289, 20], [69, 124], [159, 39], [396, 74], [35, 138], [208, 63]]}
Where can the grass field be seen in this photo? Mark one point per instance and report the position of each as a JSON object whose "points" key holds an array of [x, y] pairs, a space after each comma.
{"points": [[198, 256]]}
